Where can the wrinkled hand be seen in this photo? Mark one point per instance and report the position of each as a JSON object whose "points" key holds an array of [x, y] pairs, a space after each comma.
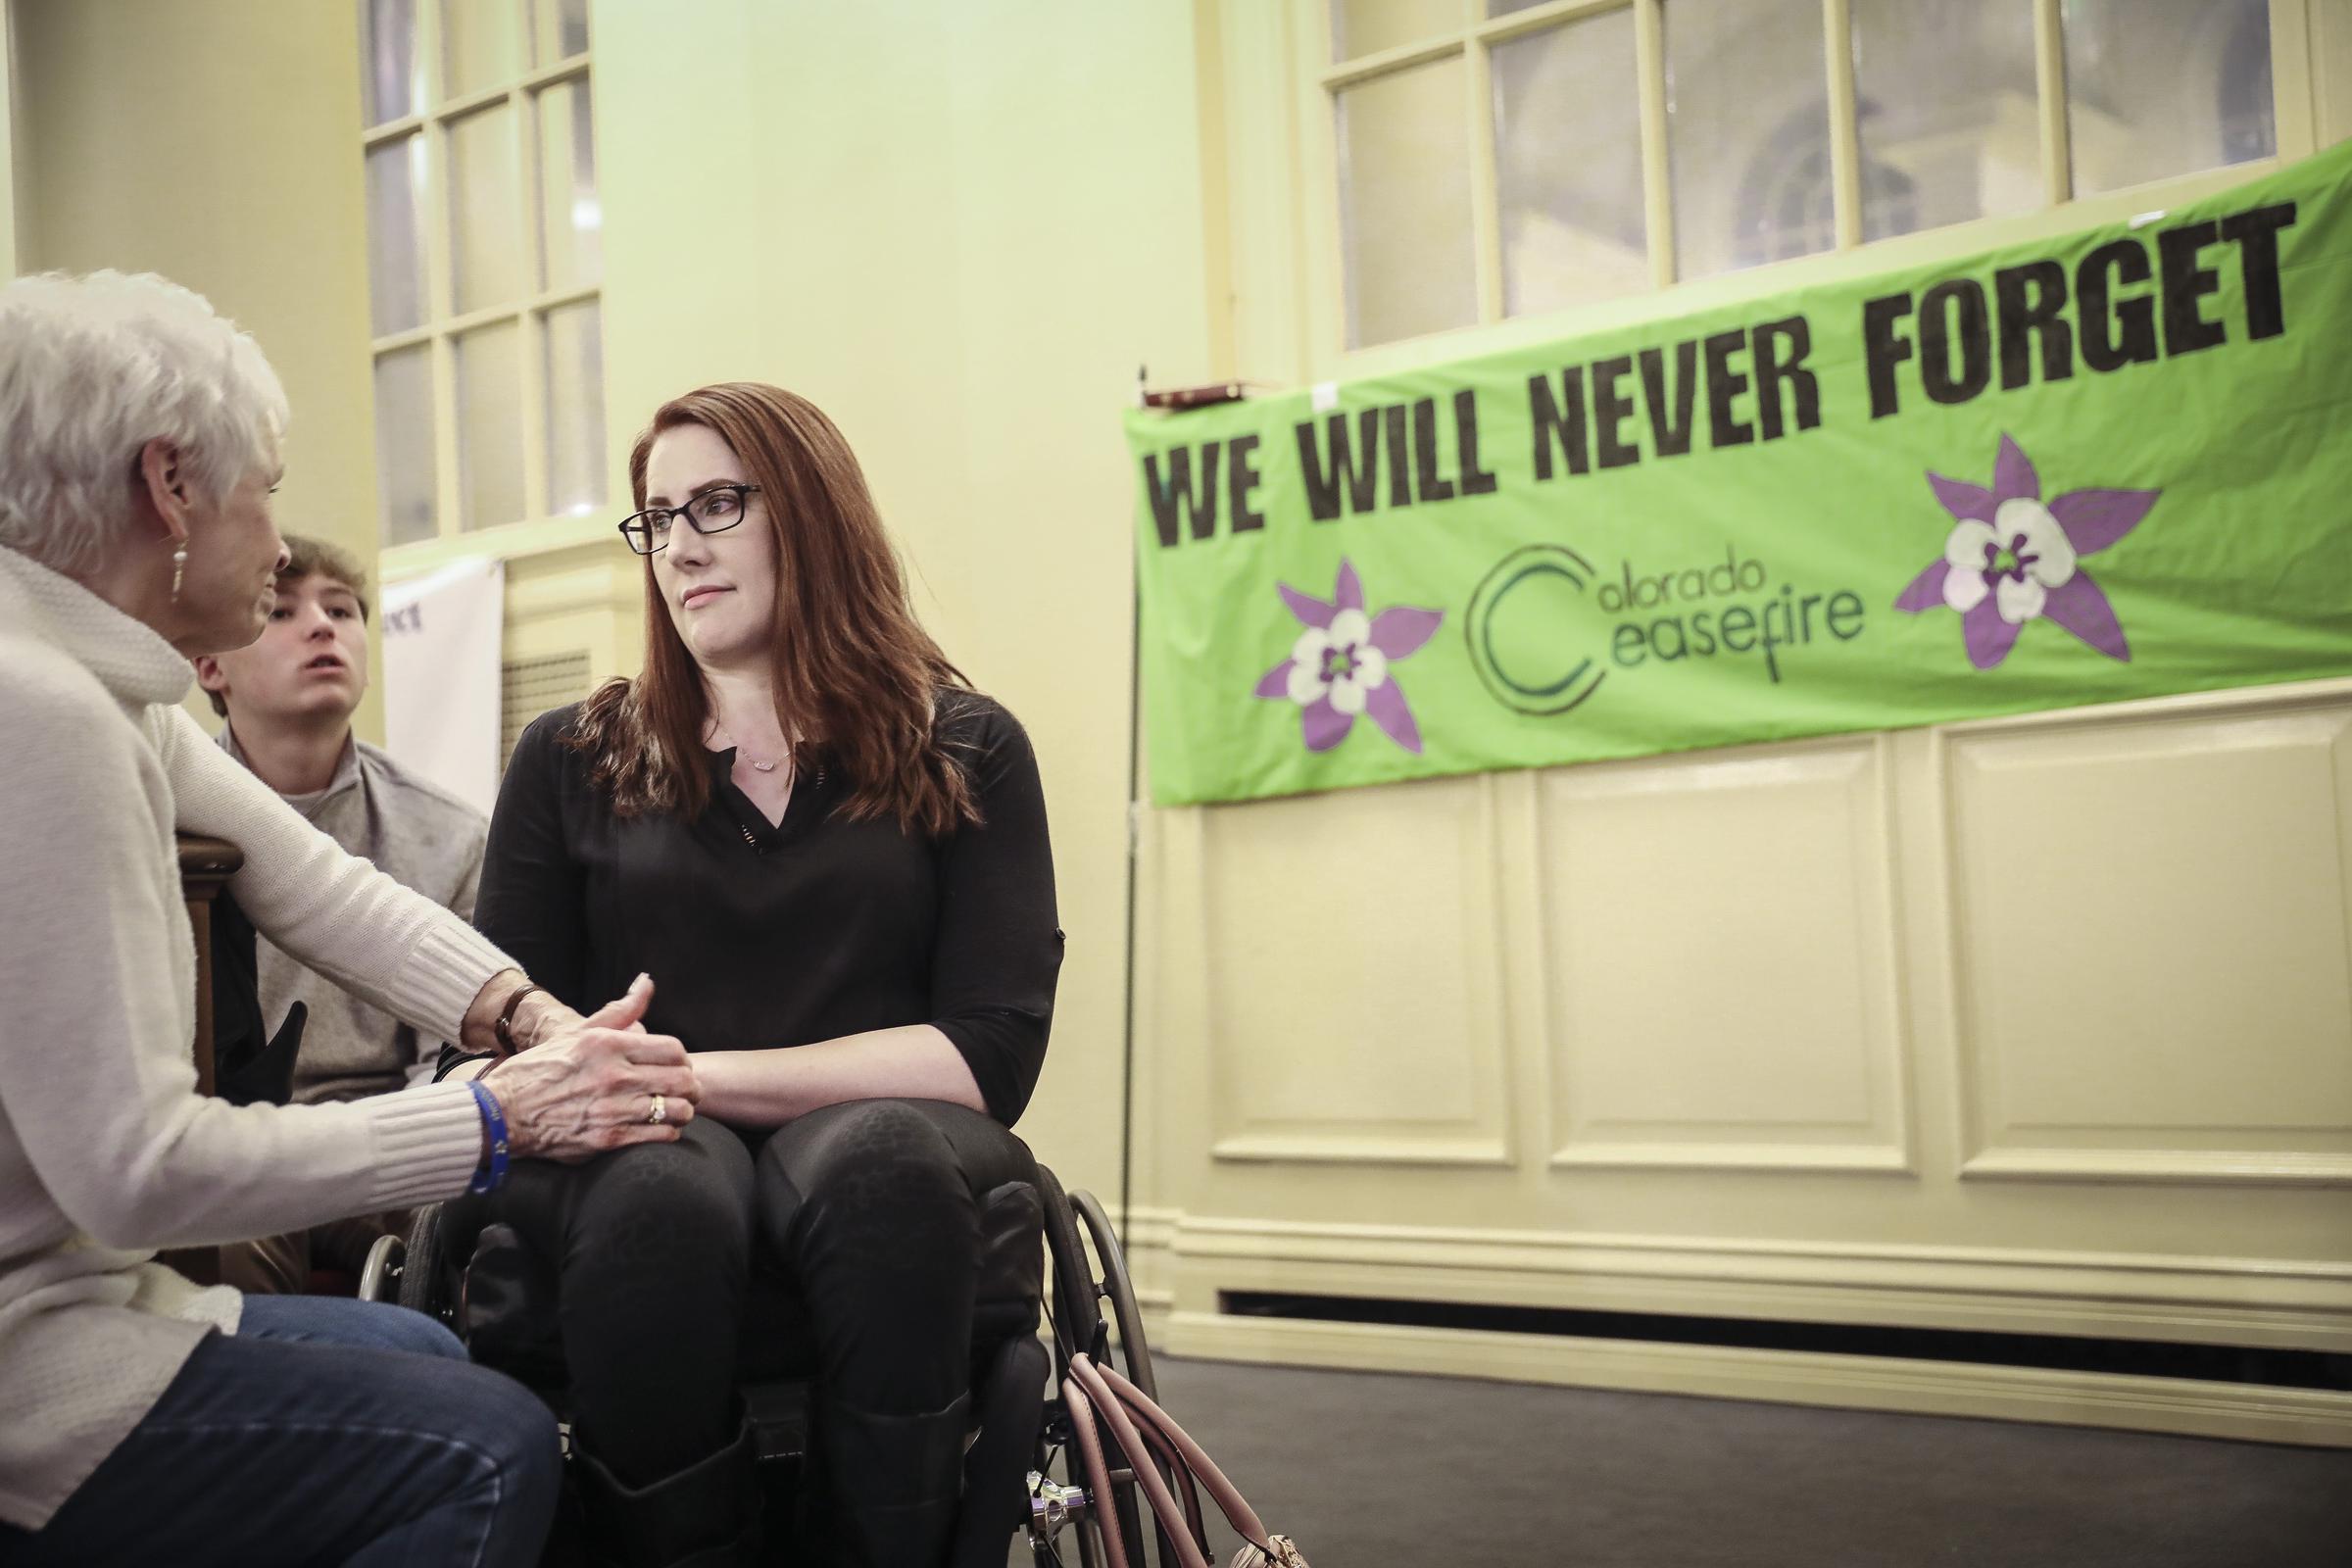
{"points": [[588, 1085]]}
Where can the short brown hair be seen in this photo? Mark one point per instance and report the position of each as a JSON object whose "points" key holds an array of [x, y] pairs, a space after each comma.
{"points": [[315, 557]]}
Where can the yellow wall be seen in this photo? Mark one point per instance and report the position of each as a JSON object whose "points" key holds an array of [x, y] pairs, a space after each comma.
{"points": [[218, 144]]}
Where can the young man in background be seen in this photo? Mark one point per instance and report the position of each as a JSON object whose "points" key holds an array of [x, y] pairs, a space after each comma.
{"points": [[288, 698]]}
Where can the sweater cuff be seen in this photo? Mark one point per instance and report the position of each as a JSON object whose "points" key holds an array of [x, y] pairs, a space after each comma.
{"points": [[428, 1144], [445, 970]]}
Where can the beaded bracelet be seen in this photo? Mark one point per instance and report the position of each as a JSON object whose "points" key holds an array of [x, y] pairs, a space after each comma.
{"points": [[486, 1178]]}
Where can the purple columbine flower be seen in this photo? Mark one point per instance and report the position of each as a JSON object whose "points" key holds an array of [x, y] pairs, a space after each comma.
{"points": [[2010, 559], [1339, 668]]}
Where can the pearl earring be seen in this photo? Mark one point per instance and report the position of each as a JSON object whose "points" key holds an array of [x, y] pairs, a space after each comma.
{"points": [[179, 568]]}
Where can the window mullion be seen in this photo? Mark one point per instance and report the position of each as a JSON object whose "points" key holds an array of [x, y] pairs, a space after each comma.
{"points": [[1324, 293], [532, 351], [448, 486], [2329, 59], [434, 213], [1485, 228], [2294, 108], [1390, 61], [1658, 191], [441, 303], [531, 324], [1846, 125], [2049, 89]]}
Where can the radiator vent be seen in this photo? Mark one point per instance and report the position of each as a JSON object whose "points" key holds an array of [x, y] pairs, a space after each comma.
{"points": [[529, 687], [2212, 1363]]}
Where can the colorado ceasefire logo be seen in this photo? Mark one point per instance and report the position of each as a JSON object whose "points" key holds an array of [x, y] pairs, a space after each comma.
{"points": [[1338, 666], [1527, 663], [2010, 559]]}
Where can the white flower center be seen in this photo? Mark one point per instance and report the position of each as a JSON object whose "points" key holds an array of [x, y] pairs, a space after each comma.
{"points": [[2017, 559], [1337, 662]]}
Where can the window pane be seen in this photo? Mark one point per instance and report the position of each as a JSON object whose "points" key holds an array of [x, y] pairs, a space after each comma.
{"points": [[558, 30], [1367, 26], [1950, 125], [1568, 165], [575, 409], [490, 426], [481, 45], [1747, 134], [404, 444], [395, 239], [1404, 205], [571, 224], [388, 80], [1503, 8], [2162, 87], [485, 197]]}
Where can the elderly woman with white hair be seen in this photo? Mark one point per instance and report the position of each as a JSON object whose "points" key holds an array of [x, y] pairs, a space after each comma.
{"points": [[148, 1419]]}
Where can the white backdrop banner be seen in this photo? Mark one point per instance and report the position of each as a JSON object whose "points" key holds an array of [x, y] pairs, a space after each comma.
{"points": [[442, 634]]}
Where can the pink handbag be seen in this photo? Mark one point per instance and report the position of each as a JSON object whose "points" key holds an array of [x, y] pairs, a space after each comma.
{"points": [[1149, 1440]]}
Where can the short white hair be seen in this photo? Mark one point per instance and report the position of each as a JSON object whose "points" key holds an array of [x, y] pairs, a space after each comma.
{"points": [[92, 370]]}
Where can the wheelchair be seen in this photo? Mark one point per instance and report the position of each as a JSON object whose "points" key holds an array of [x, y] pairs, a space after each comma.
{"points": [[1043, 1250]]}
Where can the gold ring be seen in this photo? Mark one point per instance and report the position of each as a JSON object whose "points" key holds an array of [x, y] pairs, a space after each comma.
{"points": [[660, 1111]]}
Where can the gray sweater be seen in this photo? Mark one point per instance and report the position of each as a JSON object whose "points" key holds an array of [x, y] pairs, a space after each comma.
{"points": [[420, 836], [107, 1152]]}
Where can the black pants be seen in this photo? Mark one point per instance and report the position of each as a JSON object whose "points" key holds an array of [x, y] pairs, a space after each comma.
{"points": [[866, 1212]]}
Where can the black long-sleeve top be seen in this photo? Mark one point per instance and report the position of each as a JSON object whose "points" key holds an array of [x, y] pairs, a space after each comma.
{"points": [[760, 935]]}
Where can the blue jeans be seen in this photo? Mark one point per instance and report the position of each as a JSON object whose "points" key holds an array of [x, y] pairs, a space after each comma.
{"points": [[323, 1431]]}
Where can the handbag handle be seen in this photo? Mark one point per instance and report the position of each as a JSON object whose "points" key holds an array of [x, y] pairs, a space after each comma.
{"points": [[1138, 1464], [1097, 1473], [1115, 1398]]}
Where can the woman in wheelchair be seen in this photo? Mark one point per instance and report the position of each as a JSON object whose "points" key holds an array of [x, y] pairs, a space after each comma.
{"points": [[831, 854]]}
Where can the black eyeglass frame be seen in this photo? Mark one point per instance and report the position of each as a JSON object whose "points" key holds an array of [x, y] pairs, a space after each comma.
{"points": [[636, 519]]}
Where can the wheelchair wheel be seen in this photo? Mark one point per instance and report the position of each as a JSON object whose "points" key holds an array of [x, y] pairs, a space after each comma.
{"points": [[1120, 1288], [1076, 1305], [1081, 1282], [420, 1267], [379, 1276]]}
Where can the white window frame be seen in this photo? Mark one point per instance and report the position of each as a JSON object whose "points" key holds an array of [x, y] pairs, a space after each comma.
{"points": [[538, 529], [1321, 277]]}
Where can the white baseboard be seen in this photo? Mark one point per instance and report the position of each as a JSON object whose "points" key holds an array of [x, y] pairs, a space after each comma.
{"points": [[1854, 1382], [2208, 1301], [1183, 1261]]}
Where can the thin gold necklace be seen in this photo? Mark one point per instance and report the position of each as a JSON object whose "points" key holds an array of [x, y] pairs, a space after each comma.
{"points": [[721, 732]]}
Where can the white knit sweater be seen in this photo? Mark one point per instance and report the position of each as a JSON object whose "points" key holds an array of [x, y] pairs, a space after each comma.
{"points": [[106, 1151]]}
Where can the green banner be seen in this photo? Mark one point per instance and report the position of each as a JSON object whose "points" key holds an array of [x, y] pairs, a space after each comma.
{"points": [[2109, 465]]}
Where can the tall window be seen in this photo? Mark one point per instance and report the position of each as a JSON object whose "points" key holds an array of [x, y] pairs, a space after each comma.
{"points": [[484, 263], [1501, 157]]}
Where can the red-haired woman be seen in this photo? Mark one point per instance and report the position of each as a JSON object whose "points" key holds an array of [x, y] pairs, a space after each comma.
{"points": [[830, 853]]}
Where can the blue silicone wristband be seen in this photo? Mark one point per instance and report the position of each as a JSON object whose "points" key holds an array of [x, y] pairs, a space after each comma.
{"points": [[487, 1177]]}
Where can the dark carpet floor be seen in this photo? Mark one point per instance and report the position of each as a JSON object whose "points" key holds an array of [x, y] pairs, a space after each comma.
{"points": [[1368, 1470]]}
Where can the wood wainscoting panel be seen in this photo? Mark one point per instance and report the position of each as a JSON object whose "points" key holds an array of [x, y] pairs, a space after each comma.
{"points": [[1354, 1009], [2152, 958], [1720, 963]]}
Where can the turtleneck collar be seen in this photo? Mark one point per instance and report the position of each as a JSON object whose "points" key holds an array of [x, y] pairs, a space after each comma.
{"points": [[131, 659]]}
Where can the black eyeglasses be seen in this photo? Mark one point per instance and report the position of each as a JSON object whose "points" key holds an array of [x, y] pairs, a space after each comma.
{"points": [[714, 510]]}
